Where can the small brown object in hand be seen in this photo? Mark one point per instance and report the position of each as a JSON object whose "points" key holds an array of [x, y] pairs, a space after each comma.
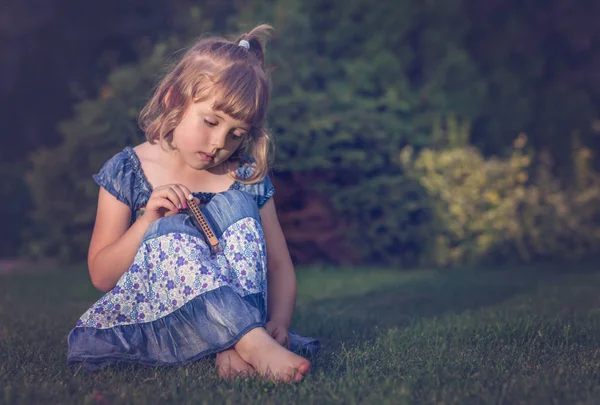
{"points": [[202, 224]]}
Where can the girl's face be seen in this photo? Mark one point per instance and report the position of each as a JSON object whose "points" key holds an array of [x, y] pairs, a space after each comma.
{"points": [[206, 138]]}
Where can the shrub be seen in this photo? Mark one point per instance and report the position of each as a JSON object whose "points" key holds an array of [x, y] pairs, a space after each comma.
{"points": [[562, 221], [486, 209], [355, 82], [475, 200]]}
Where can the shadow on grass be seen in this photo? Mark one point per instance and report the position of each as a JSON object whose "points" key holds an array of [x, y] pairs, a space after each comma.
{"points": [[358, 319]]}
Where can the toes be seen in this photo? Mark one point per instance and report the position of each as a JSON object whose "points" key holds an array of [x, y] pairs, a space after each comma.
{"points": [[294, 375], [304, 367]]}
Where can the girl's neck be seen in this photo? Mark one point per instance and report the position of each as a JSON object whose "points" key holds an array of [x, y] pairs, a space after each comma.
{"points": [[164, 166]]}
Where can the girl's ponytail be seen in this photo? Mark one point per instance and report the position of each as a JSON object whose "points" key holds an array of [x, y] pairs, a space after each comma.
{"points": [[257, 39]]}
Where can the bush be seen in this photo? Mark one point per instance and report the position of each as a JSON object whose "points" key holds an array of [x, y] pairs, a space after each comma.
{"points": [[354, 83], [562, 221], [387, 219], [487, 209]]}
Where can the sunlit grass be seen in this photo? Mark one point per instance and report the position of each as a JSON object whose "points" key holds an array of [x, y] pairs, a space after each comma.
{"points": [[503, 336]]}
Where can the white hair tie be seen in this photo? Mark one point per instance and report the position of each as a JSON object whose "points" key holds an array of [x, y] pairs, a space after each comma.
{"points": [[244, 44]]}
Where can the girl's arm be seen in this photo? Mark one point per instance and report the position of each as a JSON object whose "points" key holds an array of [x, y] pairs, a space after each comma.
{"points": [[281, 278], [114, 244]]}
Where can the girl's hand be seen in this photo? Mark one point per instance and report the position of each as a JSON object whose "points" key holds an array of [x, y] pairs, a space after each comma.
{"points": [[166, 200], [279, 333]]}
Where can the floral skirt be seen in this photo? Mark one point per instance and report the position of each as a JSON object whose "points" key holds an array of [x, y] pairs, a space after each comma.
{"points": [[178, 303]]}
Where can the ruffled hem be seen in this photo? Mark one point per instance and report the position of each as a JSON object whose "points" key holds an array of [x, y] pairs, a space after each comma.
{"points": [[208, 324]]}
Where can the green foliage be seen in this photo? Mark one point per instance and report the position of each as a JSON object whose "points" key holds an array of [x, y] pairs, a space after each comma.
{"points": [[355, 82], [59, 52], [387, 219], [348, 95], [542, 72], [475, 200], [486, 208], [346, 98], [561, 221]]}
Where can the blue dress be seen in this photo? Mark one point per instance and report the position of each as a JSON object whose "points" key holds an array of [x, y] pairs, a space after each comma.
{"points": [[178, 302]]}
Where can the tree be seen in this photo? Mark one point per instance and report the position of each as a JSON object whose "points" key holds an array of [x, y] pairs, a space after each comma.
{"points": [[354, 82], [540, 60]]}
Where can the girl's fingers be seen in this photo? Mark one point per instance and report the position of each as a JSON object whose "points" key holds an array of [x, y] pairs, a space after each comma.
{"points": [[185, 191], [167, 192], [191, 197], [173, 195], [166, 203], [187, 195], [182, 192], [178, 194]]}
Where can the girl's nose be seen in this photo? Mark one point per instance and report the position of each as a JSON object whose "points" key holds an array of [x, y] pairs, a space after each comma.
{"points": [[218, 139]]}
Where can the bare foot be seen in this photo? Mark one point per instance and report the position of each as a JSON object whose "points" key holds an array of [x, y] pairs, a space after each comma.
{"points": [[232, 365], [269, 358]]}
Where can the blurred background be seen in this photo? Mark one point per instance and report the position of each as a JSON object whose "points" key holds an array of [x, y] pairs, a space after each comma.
{"points": [[409, 133]]}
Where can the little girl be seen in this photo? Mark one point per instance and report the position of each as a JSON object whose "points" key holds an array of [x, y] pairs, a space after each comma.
{"points": [[170, 300]]}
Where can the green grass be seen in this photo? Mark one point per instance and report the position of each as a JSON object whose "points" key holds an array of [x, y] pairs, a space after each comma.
{"points": [[510, 336]]}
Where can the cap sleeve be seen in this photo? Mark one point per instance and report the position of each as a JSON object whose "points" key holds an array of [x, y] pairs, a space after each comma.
{"points": [[117, 177], [261, 191], [265, 191]]}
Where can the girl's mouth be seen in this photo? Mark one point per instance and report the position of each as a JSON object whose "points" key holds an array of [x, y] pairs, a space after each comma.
{"points": [[206, 157]]}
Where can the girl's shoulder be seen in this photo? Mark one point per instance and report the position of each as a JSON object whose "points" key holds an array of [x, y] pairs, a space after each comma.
{"points": [[124, 160], [262, 190], [121, 176]]}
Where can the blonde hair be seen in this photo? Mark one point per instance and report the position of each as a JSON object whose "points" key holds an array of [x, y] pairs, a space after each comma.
{"points": [[234, 77]]}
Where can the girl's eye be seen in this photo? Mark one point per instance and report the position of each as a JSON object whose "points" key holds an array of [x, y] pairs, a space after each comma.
{"points": [[210, 123]]}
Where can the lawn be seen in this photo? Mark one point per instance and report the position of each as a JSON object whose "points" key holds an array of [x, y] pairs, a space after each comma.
{"points": [[528, 335]]}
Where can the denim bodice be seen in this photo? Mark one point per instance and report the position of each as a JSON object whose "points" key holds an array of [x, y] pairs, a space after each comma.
{"points": [[122, 176]]}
